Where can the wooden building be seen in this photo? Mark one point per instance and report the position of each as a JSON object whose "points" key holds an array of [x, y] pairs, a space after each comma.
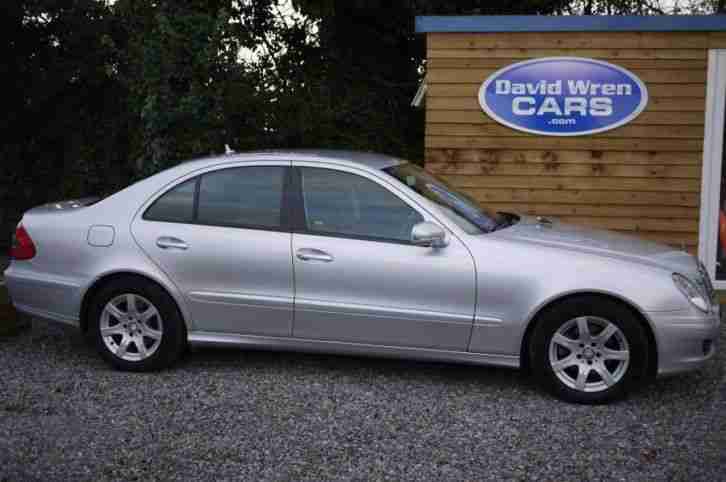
{"points": [[657, 176]]}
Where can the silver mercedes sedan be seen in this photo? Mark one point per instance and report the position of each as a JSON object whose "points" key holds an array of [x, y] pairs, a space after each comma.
{"points": [[365, 254]]}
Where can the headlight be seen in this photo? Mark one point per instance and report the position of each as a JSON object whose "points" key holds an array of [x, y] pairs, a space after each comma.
{"points": [[690, 290]]}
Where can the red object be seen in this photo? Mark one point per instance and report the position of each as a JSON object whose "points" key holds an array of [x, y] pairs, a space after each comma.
{"points": [[23, 246], [722, 230]]}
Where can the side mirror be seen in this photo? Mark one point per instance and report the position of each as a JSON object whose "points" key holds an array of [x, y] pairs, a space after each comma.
{"points": [[428, 234]]}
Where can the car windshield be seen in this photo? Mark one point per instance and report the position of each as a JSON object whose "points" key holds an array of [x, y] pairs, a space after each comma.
{"points": [[457, 206]]}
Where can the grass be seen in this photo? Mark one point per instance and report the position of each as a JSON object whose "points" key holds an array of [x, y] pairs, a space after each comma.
{"points": [[8, 317]]}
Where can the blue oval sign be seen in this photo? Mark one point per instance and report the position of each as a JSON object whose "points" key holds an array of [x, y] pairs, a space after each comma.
{"points": [[563, 96]]}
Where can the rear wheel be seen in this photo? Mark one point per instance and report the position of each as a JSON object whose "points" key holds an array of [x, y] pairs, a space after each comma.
{"points": [[136, 326], [589, 349]]}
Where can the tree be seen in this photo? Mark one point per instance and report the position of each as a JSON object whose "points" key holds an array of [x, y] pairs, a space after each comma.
{"points": [[176, 62], [358, 83], [62, 105], [616, 7], [699, 7]]}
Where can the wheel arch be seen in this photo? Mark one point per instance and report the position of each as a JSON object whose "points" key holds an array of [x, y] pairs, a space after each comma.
{"points": [[110, 277], [628, 304]]}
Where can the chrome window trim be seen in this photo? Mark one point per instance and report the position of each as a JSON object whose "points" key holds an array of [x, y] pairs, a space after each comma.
{"points": [[196, 175]]}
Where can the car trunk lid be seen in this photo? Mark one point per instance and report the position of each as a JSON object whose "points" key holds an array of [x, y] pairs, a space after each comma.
{"points": [[61, 206]]}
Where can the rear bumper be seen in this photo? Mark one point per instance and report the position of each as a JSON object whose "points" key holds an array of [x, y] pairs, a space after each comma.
{"points": [[46, 315], [686, 339], [52, 298]]}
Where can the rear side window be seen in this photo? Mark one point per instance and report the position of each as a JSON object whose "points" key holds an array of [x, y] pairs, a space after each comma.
{"points": [[242, 197], [176, 206]]}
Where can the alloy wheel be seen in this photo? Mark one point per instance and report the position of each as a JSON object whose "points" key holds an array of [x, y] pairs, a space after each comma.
{"points": [[131, 327], [589, 354]]}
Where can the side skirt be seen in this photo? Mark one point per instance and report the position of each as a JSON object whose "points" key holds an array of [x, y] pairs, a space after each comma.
{"points": [[202, 338]]}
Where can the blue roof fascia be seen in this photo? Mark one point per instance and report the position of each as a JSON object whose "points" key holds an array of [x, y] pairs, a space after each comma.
{"points": [[571, 23]]}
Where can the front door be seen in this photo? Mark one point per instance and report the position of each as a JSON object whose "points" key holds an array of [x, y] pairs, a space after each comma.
{"points": [[222, 238], [359, 279]]}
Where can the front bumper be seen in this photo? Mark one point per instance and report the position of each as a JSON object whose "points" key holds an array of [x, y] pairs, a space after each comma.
{"points": [[686, 339]]}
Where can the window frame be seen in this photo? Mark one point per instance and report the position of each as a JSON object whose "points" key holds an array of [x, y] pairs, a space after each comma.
{"points": [[285, 215], [298, 212]]}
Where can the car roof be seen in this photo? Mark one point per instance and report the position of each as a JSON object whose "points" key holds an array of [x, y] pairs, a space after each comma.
{"points": [[369, 159]]}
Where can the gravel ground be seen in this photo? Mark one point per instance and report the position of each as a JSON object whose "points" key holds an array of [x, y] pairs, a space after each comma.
{"points": [[261, 416]]}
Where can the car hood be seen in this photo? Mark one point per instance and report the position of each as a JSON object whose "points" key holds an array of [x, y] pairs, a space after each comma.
{"points": [[600, 242]]}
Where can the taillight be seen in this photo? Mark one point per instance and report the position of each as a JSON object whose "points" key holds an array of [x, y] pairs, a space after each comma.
{"points": [[22, 247]]}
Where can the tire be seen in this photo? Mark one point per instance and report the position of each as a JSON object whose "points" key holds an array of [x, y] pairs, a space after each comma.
{"points": [[604, 371], [154, 322]]}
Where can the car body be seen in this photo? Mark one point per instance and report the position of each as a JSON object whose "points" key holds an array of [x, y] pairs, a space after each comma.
{"points": [[298, 284]]}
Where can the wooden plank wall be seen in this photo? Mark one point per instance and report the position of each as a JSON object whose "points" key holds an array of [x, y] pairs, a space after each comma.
{"points": [[643, 177]]}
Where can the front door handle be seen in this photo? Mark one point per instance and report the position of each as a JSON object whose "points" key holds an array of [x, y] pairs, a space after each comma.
{"points": [[170, 242], [309, 254]]}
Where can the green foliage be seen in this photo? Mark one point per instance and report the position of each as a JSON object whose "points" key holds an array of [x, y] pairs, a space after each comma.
{"points": [[64, 113], [699, 7], [174, 64], [362, 77], [617, 7]]}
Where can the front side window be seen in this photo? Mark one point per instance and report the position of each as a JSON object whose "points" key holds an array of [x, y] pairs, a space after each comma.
{"points": [[175, 206], [349, 205], [242, 197]]}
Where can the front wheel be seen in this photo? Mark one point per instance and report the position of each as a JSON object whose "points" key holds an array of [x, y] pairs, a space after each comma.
{"points": [[589, 350]]}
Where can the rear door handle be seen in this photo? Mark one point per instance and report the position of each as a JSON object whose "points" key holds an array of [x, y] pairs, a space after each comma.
{"points": [[170, 242], [309, 254]]}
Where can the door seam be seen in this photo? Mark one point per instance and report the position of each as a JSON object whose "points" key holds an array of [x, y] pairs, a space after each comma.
{"points": [[294, 287]]}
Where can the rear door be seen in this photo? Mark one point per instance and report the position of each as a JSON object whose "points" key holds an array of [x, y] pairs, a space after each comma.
{"points": [[359, 279], [223, 238]]}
